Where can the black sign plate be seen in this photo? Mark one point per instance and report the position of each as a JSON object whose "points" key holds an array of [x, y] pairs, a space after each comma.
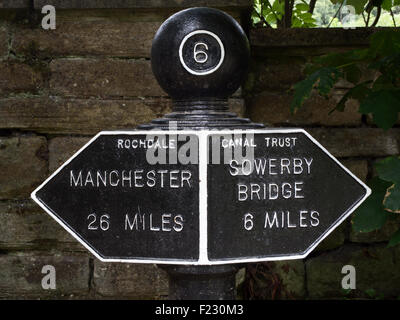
{"points": [[201, 197], [278, 202], [120, 206]]}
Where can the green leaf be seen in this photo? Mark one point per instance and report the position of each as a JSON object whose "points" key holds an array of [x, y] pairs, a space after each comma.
{"points": [[357, 55], [358, 92], [396, 2], [302, 91], [388, 67], [270, 18], [395, 239], [392, 198], [302, 7], [307, 17], [371, 293], [357, 4], [352, 73], [278, 7], [266, 11], [327, 78], [323, 79], [386, 5], [385, 43], [371, 214], [388, 169], [296, 22], [383, 83], [384, 106], [310, 24]]}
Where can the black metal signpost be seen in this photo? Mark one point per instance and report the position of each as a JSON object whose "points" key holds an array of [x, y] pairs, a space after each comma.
{"points": [[201, 190]]}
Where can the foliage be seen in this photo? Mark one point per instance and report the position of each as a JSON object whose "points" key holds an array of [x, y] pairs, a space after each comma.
{"points": [[323, 79], [379, 98], [371, 215], [371, 293], [325, 13], [271, 13]]}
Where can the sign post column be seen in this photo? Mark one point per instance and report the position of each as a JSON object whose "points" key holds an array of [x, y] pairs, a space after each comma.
{"points": [[200, 58]]}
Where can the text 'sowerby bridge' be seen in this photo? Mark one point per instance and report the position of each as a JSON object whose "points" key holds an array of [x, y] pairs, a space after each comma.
{"points": [[216, 190]]}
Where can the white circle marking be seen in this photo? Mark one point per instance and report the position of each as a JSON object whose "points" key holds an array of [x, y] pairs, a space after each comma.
{"points": [[205, 72]]}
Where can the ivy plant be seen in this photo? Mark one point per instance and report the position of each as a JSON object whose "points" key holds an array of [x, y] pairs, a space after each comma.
{"points": [[379, 98]]}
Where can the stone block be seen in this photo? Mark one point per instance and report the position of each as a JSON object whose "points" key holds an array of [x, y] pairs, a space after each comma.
{"points": [[335, 239], [16, 77], [21, 275], [358, 142], [274, 109], [376, 269], [88, 37], [133, 281], [358, 167], [78, 116], [14, 4], [23, 164], [26, 226], [76, 77], [275, 280], [62, 148]]}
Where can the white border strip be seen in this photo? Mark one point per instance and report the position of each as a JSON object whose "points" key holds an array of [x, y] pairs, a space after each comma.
{"points": [[203, 160], [203, 198]]}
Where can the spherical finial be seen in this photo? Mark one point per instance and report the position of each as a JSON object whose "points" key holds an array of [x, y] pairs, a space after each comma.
{"points": [[200, 53]]}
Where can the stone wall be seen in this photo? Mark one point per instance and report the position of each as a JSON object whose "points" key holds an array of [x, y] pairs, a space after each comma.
{"points": [[58, 88]]}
